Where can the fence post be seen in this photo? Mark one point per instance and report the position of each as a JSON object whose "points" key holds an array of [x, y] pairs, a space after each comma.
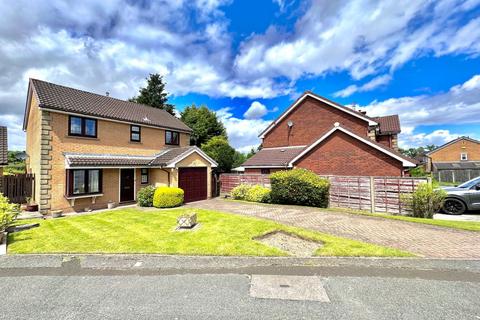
{"points": [[429, 181], [372, 195]]}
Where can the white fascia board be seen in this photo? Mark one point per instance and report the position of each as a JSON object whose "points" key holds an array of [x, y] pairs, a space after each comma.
{"points": [[186, 154]]}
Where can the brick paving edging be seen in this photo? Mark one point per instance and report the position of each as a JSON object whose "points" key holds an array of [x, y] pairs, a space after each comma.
{"points": [[421, 239]]}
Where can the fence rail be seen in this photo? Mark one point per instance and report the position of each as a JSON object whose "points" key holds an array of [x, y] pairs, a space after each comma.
{"points": [[376, 194], [17, 187]]}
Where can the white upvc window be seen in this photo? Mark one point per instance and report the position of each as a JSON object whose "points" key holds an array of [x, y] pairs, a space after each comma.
{"points": [[464, 156]]}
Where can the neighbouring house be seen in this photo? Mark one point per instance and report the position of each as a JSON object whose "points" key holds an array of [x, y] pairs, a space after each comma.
{"points": [[455, 161], [330, 139], [3, 150], [87, 150]]}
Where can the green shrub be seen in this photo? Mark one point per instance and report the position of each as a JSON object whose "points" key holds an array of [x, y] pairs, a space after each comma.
{"points": [[145, 196], [8, 213], [258, 194], [425, 200], [168, 197], [299, 186], [240, 192]]}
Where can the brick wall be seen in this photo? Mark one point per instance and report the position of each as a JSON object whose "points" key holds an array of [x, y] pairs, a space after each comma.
{"points": [[452, 152], [341, 154], [311, 119]]}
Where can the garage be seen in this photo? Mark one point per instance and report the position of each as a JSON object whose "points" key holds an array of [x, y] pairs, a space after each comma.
{"points": [[193, 181]]}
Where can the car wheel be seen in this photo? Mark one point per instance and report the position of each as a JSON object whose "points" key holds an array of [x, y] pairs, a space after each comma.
{"points": [[454, 206]]}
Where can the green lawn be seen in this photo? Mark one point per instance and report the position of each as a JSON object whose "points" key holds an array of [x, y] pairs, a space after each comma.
{"points": [[152, 231]]}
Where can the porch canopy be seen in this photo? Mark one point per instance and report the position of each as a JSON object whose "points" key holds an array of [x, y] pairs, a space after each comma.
{"points": [[167, 158]]}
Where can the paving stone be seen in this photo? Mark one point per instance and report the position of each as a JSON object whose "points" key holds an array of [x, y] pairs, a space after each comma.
{"points": [[420, 239]]}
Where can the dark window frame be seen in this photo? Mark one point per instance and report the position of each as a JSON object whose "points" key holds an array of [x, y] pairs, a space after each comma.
{"points": [[142, 174], [265, 170], [87, 182], [174, 143], [139, 133], [83, 127]]}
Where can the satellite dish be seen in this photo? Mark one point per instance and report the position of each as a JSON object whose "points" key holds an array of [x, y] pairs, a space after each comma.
{"points": [[290, 123]]}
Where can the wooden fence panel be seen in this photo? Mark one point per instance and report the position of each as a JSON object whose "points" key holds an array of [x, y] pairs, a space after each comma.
{"points": [[18, 187], [375, 194]]}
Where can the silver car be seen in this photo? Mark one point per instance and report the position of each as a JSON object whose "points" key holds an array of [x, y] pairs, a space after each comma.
{"points": [[462, 198]]}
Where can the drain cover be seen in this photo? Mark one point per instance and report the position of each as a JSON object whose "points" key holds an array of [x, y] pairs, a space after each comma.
{"points": [[288, 288]]}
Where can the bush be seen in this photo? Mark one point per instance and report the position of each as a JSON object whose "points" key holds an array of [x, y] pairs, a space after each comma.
{"points": [[258, 194], [299, 186], [8, 213], [168, 197], [240, 191], [145, 196], [425, 200]]}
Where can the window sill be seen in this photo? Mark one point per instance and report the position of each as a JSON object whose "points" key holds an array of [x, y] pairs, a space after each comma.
{"points": [[81, 137], [94, 196], [135, 142]]}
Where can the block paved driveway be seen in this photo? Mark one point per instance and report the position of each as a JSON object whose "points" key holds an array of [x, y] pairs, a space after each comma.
{"points": [[422, 240]]}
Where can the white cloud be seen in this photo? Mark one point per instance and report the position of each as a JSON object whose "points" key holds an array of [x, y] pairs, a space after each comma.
{"points": [[242, 133], [370, 85], [255, 111], [362, 37], [459, 105]]}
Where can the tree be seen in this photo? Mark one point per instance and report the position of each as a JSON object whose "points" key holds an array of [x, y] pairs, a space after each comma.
{"points": [[220, 151], [417, 152], [204, 123], [154, 94], [238, 159]]}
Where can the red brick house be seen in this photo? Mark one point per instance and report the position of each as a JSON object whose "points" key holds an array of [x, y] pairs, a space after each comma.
{"points": [[330, 139]]}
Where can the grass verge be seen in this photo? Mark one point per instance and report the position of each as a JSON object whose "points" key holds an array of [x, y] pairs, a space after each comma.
{"points": [[138, 231], [462, 225]]}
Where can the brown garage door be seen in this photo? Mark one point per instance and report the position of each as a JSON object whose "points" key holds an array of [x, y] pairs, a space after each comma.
{"points": [[193, 181]]}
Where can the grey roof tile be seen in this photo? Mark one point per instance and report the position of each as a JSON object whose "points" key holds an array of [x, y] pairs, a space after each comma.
{"points": [[61, 98], [3, 146]]}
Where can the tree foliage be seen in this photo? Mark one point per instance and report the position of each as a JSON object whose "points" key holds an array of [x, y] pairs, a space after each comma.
{"points": [[204, 123], [417, 152], [154, 94], [219, 150]]}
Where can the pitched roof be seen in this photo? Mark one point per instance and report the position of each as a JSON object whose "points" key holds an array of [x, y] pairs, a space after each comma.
{"points": [[166, 158], [3, 146], [273, 157], [406, 161], [388, 124], [452, 142], [306, 94], [60, 98]]}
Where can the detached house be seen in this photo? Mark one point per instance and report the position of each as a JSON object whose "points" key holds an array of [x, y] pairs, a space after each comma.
{"points": [[87, 150], [455, 161], [330, 139]]}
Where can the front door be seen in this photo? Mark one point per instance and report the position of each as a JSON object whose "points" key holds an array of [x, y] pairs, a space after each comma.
{"points": [[127, 185]]}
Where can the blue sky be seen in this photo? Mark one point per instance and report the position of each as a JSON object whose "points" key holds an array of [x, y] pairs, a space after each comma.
{"points": [[248, 60]]}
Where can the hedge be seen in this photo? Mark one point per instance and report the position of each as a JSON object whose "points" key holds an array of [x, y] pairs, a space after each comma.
{"points": [[145, 196], [168, 197], [300, 187], [251, 193]]}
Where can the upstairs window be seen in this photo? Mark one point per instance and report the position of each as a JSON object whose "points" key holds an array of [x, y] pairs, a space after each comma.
{"points": [[83, 182], [135, 133], [172, 137], [82, 127], [463, 156]]}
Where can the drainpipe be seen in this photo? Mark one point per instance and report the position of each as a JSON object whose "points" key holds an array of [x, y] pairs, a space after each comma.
{"points": [[168, 175]]}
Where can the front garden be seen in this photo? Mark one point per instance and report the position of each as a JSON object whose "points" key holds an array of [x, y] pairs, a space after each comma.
{"points": [[154, 231]]}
